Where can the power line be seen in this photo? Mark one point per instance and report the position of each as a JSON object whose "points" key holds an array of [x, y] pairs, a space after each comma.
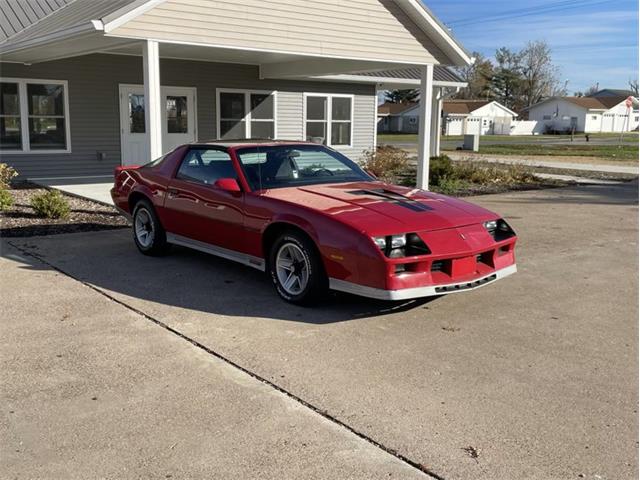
{"points": [[528, 12]]}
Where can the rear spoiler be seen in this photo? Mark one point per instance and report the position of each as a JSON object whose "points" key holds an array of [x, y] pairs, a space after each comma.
{"points": [[122, 168]]}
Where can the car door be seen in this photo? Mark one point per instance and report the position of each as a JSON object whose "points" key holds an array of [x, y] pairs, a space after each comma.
{"points": [[196, 208]]}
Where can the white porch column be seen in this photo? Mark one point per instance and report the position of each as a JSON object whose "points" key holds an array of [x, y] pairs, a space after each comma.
{"points": [[436, 121], [152, 97], [424, 135]]}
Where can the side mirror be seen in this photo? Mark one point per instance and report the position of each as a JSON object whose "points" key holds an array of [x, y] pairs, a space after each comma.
{"points": [[227, 184]]}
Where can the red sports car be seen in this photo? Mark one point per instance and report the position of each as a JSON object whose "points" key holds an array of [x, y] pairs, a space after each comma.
{"points": [[313, 220]]}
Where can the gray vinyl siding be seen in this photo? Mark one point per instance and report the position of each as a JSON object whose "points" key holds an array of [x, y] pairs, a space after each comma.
{"points": [[94, 106]]}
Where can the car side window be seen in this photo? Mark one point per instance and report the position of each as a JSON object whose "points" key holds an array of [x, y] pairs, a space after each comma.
{"points": [[206, 165]]}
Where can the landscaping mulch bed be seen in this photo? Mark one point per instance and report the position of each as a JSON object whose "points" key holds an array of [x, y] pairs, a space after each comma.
{"points": [[21, 221]]}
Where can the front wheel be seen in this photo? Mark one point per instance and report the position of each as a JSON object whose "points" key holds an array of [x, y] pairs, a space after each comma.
{"points": [[148, 234], [296, 269]]}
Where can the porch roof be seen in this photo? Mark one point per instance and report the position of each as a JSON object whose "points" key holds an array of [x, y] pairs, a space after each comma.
{"points": [[81, 27]]}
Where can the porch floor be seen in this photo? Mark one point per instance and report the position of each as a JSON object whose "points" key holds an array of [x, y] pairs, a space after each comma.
{"points": [[92, 188]]}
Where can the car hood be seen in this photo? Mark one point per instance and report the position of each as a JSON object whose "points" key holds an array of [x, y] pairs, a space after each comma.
{"points": [[382, 209]]}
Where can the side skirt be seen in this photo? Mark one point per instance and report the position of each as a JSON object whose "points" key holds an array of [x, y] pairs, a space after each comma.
{"points": [[249, 260]]}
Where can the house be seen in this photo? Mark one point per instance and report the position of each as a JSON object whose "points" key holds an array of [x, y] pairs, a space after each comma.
{"points": [[398, 117], [584, 114], [403, 117], [88, 85], [481, 117]]}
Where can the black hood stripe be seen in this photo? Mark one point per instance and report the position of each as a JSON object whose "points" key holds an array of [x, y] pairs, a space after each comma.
{"points": [[395, 198]]}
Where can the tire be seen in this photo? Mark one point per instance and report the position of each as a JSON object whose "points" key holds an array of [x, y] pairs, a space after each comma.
{"points": [[296, 269], [145, 219]]}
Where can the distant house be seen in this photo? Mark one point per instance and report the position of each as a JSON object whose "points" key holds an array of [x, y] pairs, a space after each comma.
{"points": [[398, 117], [603, 113], [483, 117]]}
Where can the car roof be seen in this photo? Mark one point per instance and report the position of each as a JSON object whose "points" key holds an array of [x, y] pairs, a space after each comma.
{"points": [[249, 142]]}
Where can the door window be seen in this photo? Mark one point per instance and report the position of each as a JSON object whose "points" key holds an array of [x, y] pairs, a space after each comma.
{"points": [[177, 114], [206, 165], [136, 113]]}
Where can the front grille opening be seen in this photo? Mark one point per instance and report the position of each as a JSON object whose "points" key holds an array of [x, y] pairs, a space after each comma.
{"points": [[400, 268], [485, 258], [438, 266], [465, 286]]}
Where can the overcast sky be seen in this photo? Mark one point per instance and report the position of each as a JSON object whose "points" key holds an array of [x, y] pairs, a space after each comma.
{"points": [[592, 40]]}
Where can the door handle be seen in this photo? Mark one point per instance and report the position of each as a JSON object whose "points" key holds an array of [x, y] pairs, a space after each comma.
{"points": [[172, 192]]}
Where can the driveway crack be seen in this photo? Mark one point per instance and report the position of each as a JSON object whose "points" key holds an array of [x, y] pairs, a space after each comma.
{"points": [[416, 465]]}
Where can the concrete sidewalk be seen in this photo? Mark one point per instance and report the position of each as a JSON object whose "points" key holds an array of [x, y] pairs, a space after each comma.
{"points": [[93, 188], [92, 389], [555, 162]]}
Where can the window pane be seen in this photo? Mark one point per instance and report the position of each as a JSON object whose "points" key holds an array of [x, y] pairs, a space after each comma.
{"points": [[10, 136], [9, 99], [177, 115], [45, 99], [262, 106], [317, 132], [206, 166], [232, 105], [262, 130], [232, 129], [341, 108], [136, 113], [316, 108], [340, 133], [47, 134]]}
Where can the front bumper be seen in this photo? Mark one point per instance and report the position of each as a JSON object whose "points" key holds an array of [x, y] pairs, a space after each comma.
{"points": [[419, 292]]}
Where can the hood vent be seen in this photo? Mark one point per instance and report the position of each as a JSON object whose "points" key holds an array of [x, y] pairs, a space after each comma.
{"points": [[393, 197]]}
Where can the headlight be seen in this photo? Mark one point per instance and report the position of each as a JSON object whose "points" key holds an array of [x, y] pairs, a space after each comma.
{"points": [[403, 245], [499, 229]]}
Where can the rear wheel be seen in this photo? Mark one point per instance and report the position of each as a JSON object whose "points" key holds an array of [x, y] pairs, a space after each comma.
{"points": [[296, 269], [148, 234]]}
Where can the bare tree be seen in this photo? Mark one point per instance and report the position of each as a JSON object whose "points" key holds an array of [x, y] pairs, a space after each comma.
{"points": [[592, 89], [540, 77], [633, 86], [478, 77]]}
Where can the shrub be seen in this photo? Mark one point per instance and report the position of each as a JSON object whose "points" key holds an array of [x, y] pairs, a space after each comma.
{"points": [[6, 200], [50, 204], [7, 174], [386, 162], [449, 185], [441, 167]]}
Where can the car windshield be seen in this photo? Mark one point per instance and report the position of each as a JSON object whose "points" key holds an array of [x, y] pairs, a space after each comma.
{"points": [[282, 166]]}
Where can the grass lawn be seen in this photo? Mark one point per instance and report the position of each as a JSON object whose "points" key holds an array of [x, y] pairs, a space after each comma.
{"points": [[615, 152]]}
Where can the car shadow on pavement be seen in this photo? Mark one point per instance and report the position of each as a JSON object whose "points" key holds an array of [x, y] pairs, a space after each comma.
{"points": [[187, 279]]}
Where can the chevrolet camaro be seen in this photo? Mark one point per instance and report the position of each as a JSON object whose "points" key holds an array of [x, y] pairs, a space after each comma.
{"points": [[313, 220]]}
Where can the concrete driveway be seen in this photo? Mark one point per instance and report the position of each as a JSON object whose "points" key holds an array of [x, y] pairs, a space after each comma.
{"points": [[532, 377]]}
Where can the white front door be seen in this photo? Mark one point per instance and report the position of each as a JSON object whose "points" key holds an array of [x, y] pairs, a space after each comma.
{"points": [[178, 121]]}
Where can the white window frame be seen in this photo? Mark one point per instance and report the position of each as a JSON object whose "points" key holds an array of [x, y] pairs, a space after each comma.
{"points": [[247, 109], [24, 115], [329, 119]]}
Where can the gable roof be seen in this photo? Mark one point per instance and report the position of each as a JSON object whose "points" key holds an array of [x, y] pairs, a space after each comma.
{"points": [[595, 103], [463, 107], [18, 15], [388, 108], [612, 92], [425, 38]]}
